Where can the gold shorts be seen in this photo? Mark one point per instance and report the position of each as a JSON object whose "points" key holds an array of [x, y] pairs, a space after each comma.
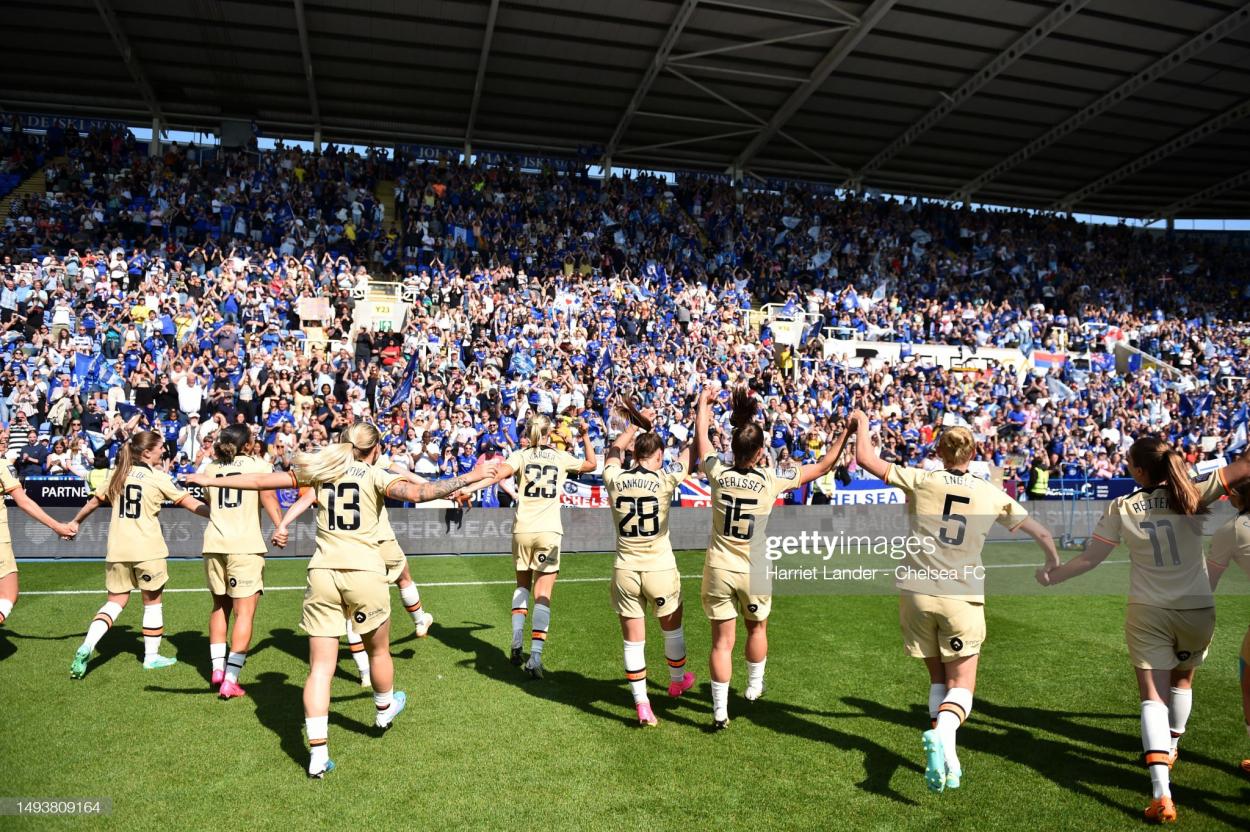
{"points": [[1163, 639], [725, 594], [8, 562], [120, 578], [632, 590], [946, 628], [539, 552], [334, 595], [394, 558], [239, 576]]}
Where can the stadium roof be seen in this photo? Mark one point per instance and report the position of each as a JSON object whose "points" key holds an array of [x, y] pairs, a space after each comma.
{"points": [[1123, 107]]}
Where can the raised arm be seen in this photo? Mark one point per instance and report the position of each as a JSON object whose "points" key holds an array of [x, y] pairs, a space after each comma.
{"points": [[616, 451], [702, 422], [591, 462], [1096, 551], [825, 464], [865, 453]]}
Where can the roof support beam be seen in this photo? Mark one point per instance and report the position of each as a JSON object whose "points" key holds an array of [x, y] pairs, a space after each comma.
{"points": [[481, 70], [747, 73], [1189, 49], [829, 30], [1240, 180], [695, 140], [1208, 128], [657, 63], [1036, 33], [764, 10], [301, 23], [832, 60], [128, 56]]}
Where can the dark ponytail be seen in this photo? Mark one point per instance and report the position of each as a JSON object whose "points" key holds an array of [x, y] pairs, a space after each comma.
{"points": [[748, 436], [628, 409], [1163, 463], [231, 440]]}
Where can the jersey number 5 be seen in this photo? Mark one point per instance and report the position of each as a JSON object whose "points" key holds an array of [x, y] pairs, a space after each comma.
{"points": [[642, 516], [132, 502], [342, 506], [738, 524], [540, 481], [949, 516]]}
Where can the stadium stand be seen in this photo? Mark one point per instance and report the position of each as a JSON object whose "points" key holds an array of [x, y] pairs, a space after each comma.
{"points": [[200, 288]]}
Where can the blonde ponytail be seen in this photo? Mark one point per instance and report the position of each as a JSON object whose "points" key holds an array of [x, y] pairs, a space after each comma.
{"points": [[330, 462], [537, 429]]}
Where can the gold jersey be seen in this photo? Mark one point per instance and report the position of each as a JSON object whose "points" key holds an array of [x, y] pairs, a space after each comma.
{"points": [[1231, 543], [952, 512], [1166, 565], [640, 500], [349, 510], [234, 519], [742, 500], [8, 484], [135, 527], [540, 474]]}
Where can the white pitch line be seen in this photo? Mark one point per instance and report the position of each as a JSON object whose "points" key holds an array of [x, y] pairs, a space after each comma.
{"points": [[597, 580]]}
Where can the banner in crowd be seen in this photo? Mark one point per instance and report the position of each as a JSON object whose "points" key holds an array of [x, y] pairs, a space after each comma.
{"points": [[435, 153], [692, 493], [865, 493], [581, 495], [43, 121], [1060, 488]]}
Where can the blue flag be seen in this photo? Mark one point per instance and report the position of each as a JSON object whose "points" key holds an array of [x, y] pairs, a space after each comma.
{"points": [[1196, 405], [790, 310], [81, 371], [404, 390]]}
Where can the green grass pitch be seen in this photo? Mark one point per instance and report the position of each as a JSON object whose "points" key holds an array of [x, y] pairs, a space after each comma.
{"points": [[1052, 743]]}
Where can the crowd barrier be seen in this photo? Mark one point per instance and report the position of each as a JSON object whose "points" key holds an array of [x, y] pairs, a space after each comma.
{"points": [[425, 531]]}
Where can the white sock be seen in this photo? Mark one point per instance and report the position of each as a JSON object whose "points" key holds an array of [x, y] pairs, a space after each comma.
{"points": [[412, 602], [636, 669], [755, 673], [675, 652], [1179, 707], [382, 701], [217, 652], [1156, 740], [937, 693], [6, 607], [317, 727], [104, 619], [538, 636], [952, 712], [720, 701], [153, 629], [234, 666], [520, 606], [359, 656]]}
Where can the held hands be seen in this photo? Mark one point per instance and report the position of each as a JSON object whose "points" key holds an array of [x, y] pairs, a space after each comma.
{"points": [[486, 469], [67, 531], [1043, 575], [280, 537]]}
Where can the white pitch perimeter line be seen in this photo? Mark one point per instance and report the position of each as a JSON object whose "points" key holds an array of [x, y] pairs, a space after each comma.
{"points": [[461, 583]]}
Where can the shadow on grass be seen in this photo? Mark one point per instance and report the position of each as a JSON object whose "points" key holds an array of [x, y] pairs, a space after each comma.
{"points": [[295, 645], [1084, 759], [881, 764], [604, 698], [192, 650], [8, 639], [279, 707]]}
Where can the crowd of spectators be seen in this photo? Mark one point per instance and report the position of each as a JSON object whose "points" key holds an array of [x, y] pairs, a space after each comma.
{"points": [[165, 292]]}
